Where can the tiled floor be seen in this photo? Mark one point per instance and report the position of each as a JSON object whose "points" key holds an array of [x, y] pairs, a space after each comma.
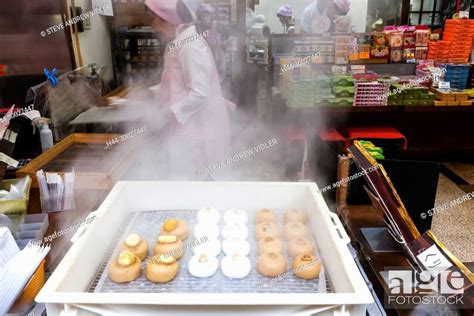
{"points": [[464, 170], [455, 226]]}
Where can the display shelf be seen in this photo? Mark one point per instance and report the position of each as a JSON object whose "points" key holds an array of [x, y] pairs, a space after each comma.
{"points": [[277, 58], [439, 108], [135, 43], [383, 109]]}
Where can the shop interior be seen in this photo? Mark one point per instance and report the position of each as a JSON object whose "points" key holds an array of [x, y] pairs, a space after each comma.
{"points": [[345, 124]]}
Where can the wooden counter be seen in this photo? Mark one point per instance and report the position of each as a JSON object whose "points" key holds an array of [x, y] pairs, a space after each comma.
{"points": [[358, 217]]}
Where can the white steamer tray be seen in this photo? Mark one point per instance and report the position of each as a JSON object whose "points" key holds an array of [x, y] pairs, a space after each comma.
{"points": [[66, 291]]}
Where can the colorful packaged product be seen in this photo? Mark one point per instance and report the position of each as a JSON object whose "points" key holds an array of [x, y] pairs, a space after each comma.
{"points": [[379, 39], [364, 51], [409, 40], [422, 37], [396, 55], [344, 91], [328, 101], [379, 51], [421, 53], [409, 55], [341, 39], [344, 101], [343, 80], [395, 39], [353, 49], [342, 57]]}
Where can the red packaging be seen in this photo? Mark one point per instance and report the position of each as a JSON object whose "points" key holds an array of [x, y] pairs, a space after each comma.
{"points": [[421, 53], [409, 40]]}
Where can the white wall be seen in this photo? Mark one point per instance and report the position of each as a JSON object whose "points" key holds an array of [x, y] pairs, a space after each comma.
{"points": [[358, 12], [269, 9], [95, 43]]}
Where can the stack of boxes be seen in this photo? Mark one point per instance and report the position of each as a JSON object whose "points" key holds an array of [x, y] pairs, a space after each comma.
{"points": [[410, 97], [343, 47], [409, 45], [446, 97], [459, 33], [344, 90], [422, 39], [374, 151], [324, 94], [379, 50], [300, 92], [368, 93], [457, 76], [439, 51], [322, 45], [406, 43]]}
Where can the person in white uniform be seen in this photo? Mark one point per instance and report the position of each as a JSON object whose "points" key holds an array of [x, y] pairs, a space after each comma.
{"points": [[285, 14], [318, 17]]}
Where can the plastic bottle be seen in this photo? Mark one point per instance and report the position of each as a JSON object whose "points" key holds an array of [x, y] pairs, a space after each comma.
{"points": [[46, 135]]}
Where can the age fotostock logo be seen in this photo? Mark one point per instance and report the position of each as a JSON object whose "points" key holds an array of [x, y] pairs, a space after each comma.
{"points": [[410, 288]]}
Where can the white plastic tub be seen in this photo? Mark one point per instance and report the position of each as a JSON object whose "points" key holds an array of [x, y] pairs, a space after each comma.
{"points": [[66, 291]]}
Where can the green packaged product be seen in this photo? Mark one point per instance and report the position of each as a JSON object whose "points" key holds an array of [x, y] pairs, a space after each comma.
{"points": [[344, 101], [397, 88], [398, 102], [323, 78], [366, 143], [344, 92], [375, 150], [325, 101], [343, 80], [410, 102], [411, 97], [428, 96], [323, 85], [412, 91], [422, 90], [395, 97], [426, 102]]}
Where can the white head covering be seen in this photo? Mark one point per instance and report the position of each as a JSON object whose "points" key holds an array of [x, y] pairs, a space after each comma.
{"points": [[168, 10], [193, 6]]}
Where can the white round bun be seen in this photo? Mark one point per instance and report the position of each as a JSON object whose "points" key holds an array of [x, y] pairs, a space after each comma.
{"points": [[235, 215], [209, 215], [236, 245], [212, 246], [211, 231], [235, 230], [235, 266], [203, 265]]}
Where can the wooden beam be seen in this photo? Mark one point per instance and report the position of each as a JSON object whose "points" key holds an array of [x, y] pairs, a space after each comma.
{"points": [[67, 32], [405, 14]]}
